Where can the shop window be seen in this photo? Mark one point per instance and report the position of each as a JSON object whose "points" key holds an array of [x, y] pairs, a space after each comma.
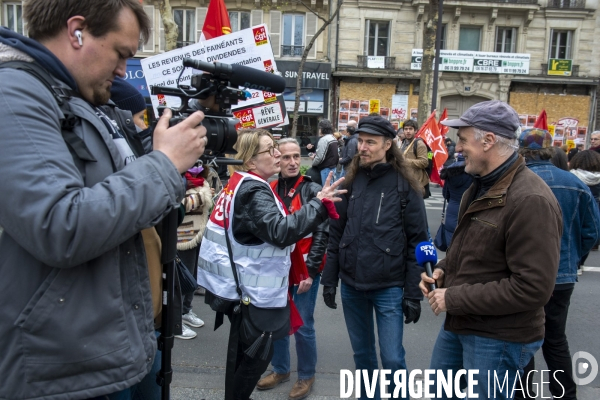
{"points": [[561, 44], [506, 40], [13, 17], [377, 34], [239, 20], [186, 26], [293, 35], [469, 38]]}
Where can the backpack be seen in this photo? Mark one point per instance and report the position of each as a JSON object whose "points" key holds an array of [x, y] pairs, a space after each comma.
{"points": [[429, 167], [76, 145]]}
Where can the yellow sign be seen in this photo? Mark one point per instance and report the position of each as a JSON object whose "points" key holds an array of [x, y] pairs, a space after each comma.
{"points": [[570, 144], [551, 130], [560, 67], [374, 106]]}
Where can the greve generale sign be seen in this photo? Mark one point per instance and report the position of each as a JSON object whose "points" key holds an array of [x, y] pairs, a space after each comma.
{"points": [[477, 61]]}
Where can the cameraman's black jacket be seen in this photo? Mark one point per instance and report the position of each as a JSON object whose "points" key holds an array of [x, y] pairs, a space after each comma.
{"points": [[366, 245]]}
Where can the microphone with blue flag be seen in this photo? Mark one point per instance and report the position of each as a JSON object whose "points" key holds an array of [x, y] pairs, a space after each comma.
{"points": [[426, 257]]}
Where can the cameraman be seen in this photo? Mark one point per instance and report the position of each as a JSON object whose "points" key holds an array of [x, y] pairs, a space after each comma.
{"points": [[76, 321]]}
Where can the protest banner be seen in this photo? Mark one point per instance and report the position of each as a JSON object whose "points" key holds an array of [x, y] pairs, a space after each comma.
{"points": [[248, 47]]}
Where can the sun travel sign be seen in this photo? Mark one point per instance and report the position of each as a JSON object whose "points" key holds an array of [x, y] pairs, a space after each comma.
{"points": [[477, 61]]}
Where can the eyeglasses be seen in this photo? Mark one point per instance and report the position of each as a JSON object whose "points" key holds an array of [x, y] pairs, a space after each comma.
{"points": [[270, 150]]}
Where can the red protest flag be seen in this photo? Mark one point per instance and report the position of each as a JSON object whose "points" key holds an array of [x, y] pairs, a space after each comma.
{"points": [[443, 128], [217, 20], [430, 133], [542, 121]]}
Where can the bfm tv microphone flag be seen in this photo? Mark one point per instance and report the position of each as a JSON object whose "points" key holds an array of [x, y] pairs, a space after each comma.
{"points": [[217, 20], [430, 133]]}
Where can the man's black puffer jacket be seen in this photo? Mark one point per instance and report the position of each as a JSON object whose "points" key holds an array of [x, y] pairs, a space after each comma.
{"points": [[257, 219], [366, 245], [308, 191]]}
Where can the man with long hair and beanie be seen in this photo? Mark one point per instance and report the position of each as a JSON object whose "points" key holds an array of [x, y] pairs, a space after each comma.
{"points": [[372, 249]]}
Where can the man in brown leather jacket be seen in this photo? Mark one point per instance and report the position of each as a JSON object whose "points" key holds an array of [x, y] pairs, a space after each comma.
{"points": [[501, 265]]}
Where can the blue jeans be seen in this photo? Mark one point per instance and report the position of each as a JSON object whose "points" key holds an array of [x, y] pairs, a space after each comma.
{"points": [[306, 341], [325, 172], [492, 357], [358, 312]]}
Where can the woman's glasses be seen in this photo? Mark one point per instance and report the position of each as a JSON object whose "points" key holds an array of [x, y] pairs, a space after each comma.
{"points": [[270, 150]]}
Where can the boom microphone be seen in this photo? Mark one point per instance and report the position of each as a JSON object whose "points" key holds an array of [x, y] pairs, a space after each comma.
{"points": [[239, 75], [426, 255]]}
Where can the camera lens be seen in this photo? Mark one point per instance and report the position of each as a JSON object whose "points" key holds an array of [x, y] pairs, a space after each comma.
{"points": [[221, 134]]}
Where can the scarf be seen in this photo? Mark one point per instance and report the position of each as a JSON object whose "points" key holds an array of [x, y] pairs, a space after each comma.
{"points": [[587, 177]]}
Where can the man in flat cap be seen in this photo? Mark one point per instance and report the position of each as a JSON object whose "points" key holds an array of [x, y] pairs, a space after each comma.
{"points": [[372, 249], [501, 265]]}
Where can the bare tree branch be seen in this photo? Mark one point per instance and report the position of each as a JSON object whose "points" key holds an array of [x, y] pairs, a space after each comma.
{"points": [[312, 11], [303, 60]]}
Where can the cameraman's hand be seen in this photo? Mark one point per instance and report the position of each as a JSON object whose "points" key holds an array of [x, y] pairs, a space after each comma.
{"points": [[183, 143], [329, 296]]}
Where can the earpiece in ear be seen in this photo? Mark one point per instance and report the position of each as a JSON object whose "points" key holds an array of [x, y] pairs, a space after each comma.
{"points": [[79, 39]]}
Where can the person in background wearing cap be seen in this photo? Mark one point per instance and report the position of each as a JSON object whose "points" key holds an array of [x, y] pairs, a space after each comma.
{"points": [[327, 157], [415, 154], [372, 248], [581, 224], [498, 273], [350, 146]]}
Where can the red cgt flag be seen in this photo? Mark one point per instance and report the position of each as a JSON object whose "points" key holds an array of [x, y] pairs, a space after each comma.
{"points": [[217, 20], [542, 121], [430, 133], [443, 128]]}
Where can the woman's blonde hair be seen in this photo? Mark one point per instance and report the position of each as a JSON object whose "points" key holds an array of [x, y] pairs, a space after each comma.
{"points": [[337, 135], [247, 145]]}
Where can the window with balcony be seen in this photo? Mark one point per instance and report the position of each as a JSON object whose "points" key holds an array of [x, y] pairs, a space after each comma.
{"points": [[293, 35], [377, 34], [561, 44], [469, 38], [186, 27], [13, 17], [506, 40], [239, 20]]}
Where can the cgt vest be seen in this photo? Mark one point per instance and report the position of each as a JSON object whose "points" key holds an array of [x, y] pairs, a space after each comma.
{"points": [[262, 269], [305, 243]]}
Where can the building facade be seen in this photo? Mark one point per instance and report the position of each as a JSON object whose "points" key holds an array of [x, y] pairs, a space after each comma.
{"points": [[534, 54], [490, 50]]}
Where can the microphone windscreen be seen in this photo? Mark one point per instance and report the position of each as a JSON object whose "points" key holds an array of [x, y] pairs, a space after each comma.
{"points": [[252, 78], [425, 252]]}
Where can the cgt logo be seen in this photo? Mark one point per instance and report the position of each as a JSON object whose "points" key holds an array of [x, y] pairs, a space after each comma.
{"points": [[260, 35], [582, 363], [268, 64]]}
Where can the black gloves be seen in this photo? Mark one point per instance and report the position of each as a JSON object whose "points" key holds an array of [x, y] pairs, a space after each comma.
{"points": [[329, 296], [410, 308]]}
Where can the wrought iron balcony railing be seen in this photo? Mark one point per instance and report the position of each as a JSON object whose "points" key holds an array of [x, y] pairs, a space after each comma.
{"points": [[566, 4], [292, 51]]}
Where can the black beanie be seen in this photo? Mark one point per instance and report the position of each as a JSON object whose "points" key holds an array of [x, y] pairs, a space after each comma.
{"points": [[126, 97]]}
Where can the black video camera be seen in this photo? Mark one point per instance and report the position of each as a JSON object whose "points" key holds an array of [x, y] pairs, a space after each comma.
{"points": [[221, 81]]}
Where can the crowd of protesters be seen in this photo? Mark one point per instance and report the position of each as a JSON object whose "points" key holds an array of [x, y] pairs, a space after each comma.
{"points": [[81, 242]]}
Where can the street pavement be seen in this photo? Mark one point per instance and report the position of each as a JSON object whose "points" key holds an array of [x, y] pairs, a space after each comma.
{"points": [[199, 364]]}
